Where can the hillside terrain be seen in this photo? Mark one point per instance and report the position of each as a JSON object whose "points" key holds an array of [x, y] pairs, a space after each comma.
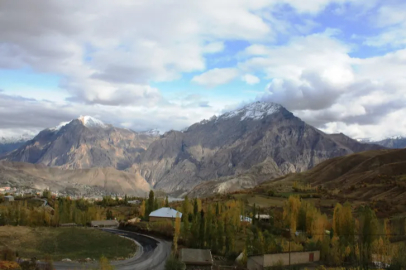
{"points": [[374, 176], [79, 181]]}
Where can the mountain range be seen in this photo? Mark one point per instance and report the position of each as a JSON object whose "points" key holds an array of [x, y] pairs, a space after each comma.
{"points": [[262, 139], [394, 142]]}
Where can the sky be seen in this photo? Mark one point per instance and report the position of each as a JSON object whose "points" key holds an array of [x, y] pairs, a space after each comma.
{"points": [[142, 64]]}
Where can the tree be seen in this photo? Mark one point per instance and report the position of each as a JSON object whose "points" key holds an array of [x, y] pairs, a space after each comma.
{"points": [[195, 208], [166, 201], [109, 215], [176, 233], [220, 235], [143, 210], [202, 232], [291, 212], [151, 201], [46, 194], [368, 231], [156, 205], [185, 208]]}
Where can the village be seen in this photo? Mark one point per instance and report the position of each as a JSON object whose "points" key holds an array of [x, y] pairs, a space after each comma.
{"points": [[220, 232]]}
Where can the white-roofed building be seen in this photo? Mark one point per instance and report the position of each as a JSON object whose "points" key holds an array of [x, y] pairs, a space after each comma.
{"points": [[164, 213], [245, 219]]}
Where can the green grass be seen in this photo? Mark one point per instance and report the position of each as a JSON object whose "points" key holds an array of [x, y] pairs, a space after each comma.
{"points": [[60, 243]]}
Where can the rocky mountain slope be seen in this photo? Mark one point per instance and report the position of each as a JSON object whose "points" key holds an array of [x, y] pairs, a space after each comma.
{"points": [[235, 142], [80, 181], [396, 142], [82, 143]]}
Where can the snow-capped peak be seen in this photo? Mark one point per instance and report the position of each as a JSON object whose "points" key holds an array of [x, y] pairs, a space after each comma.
{"points": [[17, 139], [255, 111], [89, 121]]}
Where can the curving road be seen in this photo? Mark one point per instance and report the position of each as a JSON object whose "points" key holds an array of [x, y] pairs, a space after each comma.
{"points": [[152, 254]]}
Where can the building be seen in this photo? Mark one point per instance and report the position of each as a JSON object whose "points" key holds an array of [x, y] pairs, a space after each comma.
{"points": [[164, 213], [263, 217], [196, 258], [134, 220], [104, 223], [9, 198], [289, 258], [245, 219], [134, 202]]}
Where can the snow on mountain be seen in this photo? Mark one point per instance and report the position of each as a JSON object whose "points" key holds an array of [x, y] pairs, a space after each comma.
{"points": [[255, 111], [89, 121], [17, 139], [151, 132], [58, 127]]}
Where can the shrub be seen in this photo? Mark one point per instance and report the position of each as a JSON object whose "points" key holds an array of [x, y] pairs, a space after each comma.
{"points": [[6, 265], [7, 254]]}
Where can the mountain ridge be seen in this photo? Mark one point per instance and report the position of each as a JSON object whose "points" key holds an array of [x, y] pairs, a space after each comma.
{"points": [[228, 146]]}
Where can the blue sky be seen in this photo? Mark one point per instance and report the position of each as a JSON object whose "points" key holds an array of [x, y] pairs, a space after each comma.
{"points": [[339, 65]]}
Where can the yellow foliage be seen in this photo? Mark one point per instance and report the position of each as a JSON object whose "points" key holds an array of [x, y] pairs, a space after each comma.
{"points": [[291, 212], [6, 265]]}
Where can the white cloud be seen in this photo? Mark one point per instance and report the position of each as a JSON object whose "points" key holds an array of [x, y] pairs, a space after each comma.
{"points": [[109, 52], [317, 79], [250, 79], [391, 21], [216, 76]]}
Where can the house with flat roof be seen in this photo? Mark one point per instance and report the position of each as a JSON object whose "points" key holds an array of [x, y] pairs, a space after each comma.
{"points": [[9, 198], [104, 223], [165, 213], [196, 258], [287, 258]]}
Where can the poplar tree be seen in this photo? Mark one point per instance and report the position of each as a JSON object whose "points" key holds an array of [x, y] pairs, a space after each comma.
{"points": [[202, 232], [166, 201], [176, 233]]}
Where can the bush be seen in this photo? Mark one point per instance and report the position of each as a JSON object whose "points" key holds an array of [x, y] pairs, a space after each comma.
{"points": [[6, 265], [174, 264], [7, 254]]}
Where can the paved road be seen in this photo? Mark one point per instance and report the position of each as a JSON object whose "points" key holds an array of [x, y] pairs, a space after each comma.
{"points": [[152, 254]]}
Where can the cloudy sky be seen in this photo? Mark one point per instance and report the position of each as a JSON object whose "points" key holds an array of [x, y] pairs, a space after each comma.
{"points": [[339, 65]]}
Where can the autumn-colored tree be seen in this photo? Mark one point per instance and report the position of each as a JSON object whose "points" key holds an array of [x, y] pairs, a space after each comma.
{"points": [[185, 208], [291, 212], [143, 209], [176, 233]]}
